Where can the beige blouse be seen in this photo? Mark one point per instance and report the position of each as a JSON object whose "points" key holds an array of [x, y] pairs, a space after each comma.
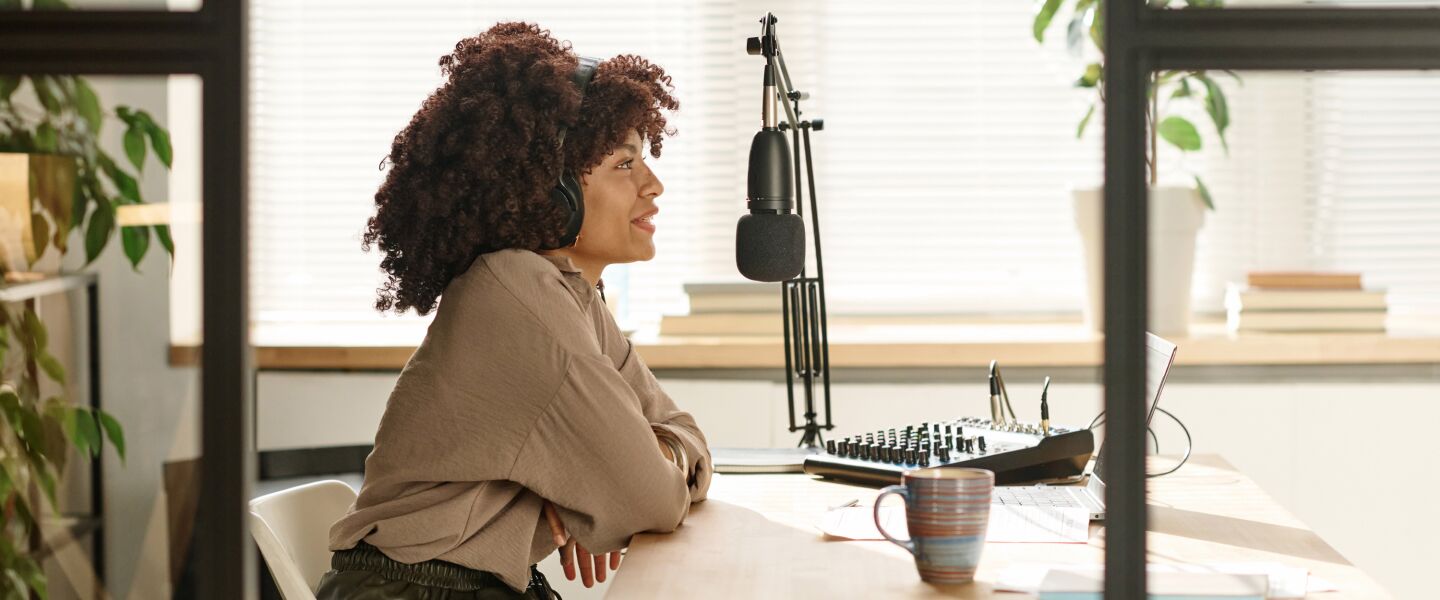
{"points": [[523, 390]]}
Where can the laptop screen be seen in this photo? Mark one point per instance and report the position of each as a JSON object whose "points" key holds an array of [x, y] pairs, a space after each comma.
{"points": [[1159, 355]]}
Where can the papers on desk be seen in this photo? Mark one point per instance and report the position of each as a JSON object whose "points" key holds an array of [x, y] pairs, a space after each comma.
{"points": [[1282, 581], [1035, 524]]}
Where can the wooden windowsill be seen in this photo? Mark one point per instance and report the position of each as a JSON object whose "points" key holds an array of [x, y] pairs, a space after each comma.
{"points": [[1015, 344]]}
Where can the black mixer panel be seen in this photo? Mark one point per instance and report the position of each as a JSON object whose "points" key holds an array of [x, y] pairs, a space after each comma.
{"points": [[1017, 452]]}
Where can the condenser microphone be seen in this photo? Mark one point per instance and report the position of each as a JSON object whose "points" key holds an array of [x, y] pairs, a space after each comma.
{"points": [[770, 240]]}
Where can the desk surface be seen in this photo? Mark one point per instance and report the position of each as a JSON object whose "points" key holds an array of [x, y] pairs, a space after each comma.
{"points": [[754, 538]]}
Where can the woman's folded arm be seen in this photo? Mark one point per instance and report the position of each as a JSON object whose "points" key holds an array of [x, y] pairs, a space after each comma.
{"points": [[593, 454]]}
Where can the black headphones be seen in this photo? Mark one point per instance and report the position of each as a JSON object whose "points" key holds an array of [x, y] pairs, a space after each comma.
{"points": [[567, 191]]}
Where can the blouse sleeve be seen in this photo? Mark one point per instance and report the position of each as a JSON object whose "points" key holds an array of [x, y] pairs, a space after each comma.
{"points": [[662, 413], [592, 454]]}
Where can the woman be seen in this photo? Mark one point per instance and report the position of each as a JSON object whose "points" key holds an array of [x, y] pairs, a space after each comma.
{"points": [[524, 422]]}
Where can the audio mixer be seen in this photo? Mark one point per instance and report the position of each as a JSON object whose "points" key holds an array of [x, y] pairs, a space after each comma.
{"points": [[1017, 452]]}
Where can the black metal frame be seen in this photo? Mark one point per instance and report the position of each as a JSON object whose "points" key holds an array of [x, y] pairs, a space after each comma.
{"points": [[210, 43], [1140, 40]]}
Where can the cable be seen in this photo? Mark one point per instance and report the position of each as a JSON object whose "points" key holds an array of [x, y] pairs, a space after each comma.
{"points": [[1189, 441], [1150, 431], [1189, 444], [1004, 394]]}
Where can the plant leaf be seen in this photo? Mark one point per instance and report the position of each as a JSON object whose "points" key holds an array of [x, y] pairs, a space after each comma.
{"points": [[10, 406], [52, 367], [128, 187], [78, 436], [1043, 17], [1204, 193], [8, 85], [39, 233], [47, 483], [46, 138], [97, 233], [1183, 91], [87, 428], [87, 103], [1180, 133], [135, 146], [114, 431], [1080, 131], [1097, 27], [136, 240], [31, 430], [1216, 107], [18, 587], [163, 232], [160, 141], [36, 328], [46, 94], [1091, 77]]}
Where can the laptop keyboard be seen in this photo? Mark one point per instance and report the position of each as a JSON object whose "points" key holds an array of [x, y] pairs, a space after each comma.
{"points": [[1034, 496]]}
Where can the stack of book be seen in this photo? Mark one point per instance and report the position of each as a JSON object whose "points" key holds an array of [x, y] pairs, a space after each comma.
{"points": [[740, 308], [1304, 302]]}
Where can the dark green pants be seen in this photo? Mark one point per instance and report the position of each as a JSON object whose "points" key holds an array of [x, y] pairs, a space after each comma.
{"points": [[365, 573]]}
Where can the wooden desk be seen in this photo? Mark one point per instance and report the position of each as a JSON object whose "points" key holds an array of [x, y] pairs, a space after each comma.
{"points": [[754, 538]]}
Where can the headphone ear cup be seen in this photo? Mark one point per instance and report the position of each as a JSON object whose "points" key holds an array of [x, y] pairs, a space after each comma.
{"points": [[567, 193]]}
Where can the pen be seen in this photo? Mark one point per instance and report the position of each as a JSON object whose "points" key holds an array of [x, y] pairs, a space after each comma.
{"points": [[1045, 408]]}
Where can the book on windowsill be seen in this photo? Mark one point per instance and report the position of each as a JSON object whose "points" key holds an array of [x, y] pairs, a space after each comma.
{"points": [[1250, 308], [737, 297], [1304, 280], [755, 323], [1308, 321], [1242, 297]]}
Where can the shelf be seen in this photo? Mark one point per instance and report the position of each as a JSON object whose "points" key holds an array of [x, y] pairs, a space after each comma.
{"points": [[18, 292]]}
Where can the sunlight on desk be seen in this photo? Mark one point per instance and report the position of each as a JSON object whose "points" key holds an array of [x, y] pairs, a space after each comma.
{"points": [[755, 537]]}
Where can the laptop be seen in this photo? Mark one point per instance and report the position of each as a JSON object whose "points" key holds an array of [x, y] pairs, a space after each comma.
{"points": [[1159, 355]]}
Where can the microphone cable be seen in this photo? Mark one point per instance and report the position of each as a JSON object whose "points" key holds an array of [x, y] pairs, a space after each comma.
{"points": [[1189, 441]]}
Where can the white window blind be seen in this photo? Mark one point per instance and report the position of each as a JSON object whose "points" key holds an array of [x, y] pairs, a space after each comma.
{"points": [[944, 168], [1376, 185]]}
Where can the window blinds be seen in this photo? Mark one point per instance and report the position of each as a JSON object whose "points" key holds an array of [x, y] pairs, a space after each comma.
{"points": [[944, 168]]}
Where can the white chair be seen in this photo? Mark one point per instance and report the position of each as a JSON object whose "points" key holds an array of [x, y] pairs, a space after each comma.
{"points": [[292, 528]]}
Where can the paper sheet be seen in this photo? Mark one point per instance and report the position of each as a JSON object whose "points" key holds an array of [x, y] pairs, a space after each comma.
{"points": [[1285, 581], [1033, 524]]}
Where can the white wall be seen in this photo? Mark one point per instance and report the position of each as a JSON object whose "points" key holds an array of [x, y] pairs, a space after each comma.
{"points": [[1306, 443]]}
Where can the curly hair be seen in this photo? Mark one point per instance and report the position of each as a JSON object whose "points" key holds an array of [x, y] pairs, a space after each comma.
{"points": [[472, 171]]}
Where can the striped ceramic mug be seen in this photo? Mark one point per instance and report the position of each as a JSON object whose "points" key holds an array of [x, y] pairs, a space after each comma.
{"points": [[947, 511]]}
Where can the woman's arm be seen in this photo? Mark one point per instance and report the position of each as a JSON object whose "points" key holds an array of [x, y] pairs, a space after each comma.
{"points": [[593, 454], [662, 413]]}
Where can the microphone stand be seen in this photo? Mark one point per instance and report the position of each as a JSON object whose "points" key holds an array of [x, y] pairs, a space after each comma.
{"points": [[807, 339], [807, 342]]}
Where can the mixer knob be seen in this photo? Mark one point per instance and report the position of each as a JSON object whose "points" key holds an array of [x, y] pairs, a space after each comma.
{"points": [[830, 446], [982, 444]]}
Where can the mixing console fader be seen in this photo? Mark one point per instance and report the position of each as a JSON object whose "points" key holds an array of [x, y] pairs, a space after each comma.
{"points": [[1017, 452]]}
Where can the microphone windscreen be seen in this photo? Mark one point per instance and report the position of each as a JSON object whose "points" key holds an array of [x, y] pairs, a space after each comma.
{"points": [[770, 247]]}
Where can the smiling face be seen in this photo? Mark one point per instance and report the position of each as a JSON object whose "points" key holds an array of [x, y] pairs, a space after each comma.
{"points": [[620, 197]]}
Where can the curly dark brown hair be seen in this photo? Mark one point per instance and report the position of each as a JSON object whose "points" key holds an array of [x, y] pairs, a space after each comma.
{"points": [[472, 171]]}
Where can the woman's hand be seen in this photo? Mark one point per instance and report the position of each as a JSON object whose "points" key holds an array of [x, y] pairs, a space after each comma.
{"points": [[592, 566]]}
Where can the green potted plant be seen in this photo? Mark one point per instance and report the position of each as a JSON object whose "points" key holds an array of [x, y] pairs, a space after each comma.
{"points": [[1176, 213], [52, 125]]}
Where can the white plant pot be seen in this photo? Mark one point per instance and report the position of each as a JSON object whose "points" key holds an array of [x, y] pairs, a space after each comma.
{"points": [[1176, 214]]}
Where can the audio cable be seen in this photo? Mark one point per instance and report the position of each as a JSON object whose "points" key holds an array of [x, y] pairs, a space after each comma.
{"points": [[1189, 441]]}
